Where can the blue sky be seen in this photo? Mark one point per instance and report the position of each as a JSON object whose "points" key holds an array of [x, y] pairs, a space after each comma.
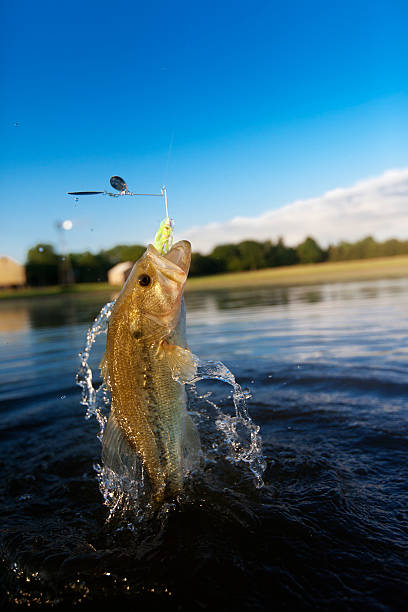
{"points": [[238, 107]]}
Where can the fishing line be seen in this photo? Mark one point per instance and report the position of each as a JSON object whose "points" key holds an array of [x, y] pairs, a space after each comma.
{"points": [[169, 153]]}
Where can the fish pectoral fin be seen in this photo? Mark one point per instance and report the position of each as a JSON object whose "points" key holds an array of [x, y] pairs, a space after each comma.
{"points": [[183, 363]]}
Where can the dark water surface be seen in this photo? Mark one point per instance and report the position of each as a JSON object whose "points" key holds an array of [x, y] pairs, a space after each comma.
{"points": [[327, 368]]}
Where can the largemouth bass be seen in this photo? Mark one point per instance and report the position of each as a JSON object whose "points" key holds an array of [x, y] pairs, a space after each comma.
{"points": [[146, 363]]}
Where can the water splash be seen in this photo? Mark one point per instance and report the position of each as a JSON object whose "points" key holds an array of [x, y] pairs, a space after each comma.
{"points": [[225, 436], [240, 435], [97, 399]]}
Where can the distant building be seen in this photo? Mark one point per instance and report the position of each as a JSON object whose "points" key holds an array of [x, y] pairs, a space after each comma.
{"points": [[12, 274], [119, 273]]}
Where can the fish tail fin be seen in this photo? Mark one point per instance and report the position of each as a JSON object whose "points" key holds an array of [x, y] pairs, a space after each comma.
{"points": [[120, 456], [117, 454]]}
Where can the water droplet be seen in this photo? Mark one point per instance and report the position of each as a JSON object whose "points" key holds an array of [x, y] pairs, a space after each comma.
{"points": [[63, 396], [24, 497]]}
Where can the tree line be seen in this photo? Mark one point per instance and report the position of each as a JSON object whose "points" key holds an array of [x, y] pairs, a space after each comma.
{"points": [[43, 263]]}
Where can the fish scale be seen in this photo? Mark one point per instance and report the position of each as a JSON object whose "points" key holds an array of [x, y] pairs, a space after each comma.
{"points": [[156, 406]]}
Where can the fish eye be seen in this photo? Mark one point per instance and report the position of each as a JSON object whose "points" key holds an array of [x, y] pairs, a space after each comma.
{"points": [[144, 280]]}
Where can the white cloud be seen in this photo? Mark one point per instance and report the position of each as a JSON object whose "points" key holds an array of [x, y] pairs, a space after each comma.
{"points": [[376, 206]]}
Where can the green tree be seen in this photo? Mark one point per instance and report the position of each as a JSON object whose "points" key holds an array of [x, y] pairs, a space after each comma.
{"points": [[42, 254], [124, 252], [365, 248], [310, 252], [227, 257], [394, 247], [279, 254], [203, 265], [339, 252], [89, 268], [251, 255], [42, 265]]}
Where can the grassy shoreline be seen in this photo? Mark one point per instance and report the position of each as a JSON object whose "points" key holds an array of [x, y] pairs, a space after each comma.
{"points": [[53, 290], [329, 272]]}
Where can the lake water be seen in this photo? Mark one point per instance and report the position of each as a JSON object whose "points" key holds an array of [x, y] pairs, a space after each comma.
{"points": [[328, 373]]}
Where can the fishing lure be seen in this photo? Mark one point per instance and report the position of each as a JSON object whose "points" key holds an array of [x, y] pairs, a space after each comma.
{"points": [[163, 240], [164, 237]]}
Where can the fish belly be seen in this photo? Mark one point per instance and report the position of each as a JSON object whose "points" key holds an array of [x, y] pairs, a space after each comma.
{"points": [[157, 432]]}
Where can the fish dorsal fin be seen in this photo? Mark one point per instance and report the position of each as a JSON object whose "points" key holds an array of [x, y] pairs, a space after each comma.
{"points": [[182, 362]]}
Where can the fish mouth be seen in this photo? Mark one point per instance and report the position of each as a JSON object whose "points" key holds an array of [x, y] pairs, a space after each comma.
{"points": [[180, 255]]}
